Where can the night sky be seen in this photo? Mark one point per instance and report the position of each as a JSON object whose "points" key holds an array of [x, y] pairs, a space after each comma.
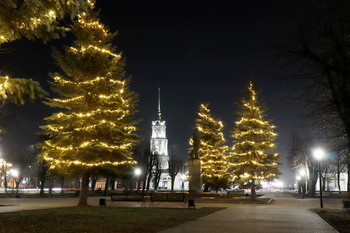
{"points": [[196, 51]]}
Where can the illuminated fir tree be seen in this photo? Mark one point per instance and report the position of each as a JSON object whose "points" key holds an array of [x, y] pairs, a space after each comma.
{"points": [[37, 18], [16, 90], [211, 151], [253, 141], [34, 19], [95, 129]]}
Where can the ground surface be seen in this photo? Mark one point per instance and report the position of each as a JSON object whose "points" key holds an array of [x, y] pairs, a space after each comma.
{"points": [[98, 219], [286, 214], [339, 219]]}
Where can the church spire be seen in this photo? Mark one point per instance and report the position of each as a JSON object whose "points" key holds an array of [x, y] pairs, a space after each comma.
{"points": [[159, 113]]}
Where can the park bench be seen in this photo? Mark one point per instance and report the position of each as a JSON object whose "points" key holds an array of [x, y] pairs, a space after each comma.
{"points": [[204, 195], [235, 193], [118, 197], [168, 197]]}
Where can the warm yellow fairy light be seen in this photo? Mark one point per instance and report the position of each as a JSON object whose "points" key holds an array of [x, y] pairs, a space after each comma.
{"points": [[77, 162], [212, 151], [96, 127], [253, 136], [52, 14], [68, 100], [101, 50]]}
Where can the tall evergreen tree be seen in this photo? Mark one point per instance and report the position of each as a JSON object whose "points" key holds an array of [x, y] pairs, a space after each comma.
{"points": [[253, 139], [212, 151], [37, 18], [34, 19], [16, 90], [95, 130]]}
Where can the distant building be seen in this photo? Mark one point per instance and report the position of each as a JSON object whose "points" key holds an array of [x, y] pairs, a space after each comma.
{"points": [[331, 182], [159, 146], [159, 142]]}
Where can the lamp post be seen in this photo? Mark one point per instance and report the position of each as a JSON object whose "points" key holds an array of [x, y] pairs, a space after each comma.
{"points": [[138, 173], [183, 178], [298, 178], [318, 155], [301, 178]]}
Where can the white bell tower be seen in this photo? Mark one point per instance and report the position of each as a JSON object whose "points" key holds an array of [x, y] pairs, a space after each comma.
{"points": [[159, 142]]}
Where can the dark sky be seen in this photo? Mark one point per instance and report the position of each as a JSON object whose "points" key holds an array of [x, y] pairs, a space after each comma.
{"points": [[196, 51]]}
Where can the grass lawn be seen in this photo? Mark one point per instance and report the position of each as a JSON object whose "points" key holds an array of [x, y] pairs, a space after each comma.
{"points": [[98, 219], [339, 219]]}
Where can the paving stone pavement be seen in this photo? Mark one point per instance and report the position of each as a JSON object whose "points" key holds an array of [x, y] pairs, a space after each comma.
{"points": [[284, 215]]}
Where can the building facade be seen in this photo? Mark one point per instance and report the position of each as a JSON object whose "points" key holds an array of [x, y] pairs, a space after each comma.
{"points": [[159, 147]]}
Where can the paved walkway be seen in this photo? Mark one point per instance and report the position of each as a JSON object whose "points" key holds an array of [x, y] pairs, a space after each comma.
{"points": [[284, 215]]}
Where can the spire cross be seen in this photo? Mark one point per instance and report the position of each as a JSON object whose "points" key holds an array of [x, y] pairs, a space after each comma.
{"points": [[159, 113]]}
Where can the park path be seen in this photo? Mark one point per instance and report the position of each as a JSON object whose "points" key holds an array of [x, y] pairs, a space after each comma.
{"points": [[284, 215]]}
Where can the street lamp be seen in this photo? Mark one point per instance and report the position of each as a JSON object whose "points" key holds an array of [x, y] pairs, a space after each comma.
{"points": [[138, 172], [301, 178], [318, 155], [14, 172], [183, 178]]}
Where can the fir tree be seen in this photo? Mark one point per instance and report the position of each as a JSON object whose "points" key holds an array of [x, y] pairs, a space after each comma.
{"points": [[95, 130], [211, 151], [37, 18], [253, 139], [32, 19], [17, 89]]}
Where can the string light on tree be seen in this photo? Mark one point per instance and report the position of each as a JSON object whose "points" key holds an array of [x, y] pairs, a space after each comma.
{"points": [[37, 18], [212, 151], [253, 139], [95, 129]]}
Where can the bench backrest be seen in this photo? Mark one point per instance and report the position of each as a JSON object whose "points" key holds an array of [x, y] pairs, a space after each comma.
{"points": [[176, 196], [126, 196], [167, 196]]}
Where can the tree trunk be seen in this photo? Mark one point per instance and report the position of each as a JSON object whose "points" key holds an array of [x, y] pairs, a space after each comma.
{"points": [[324, 184], [105, 192], [144, 184], [50, 186], [62, 184], [338, 173], [172, 183], [84, 189], [93, 182], [148, 181], [77, 182], [17, 186], [42, 186], [312, 184], [348, 184], [252, 189], [112, 182]]}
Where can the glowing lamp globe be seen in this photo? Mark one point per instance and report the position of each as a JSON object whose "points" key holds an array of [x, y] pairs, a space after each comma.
{"points": [[14, 172], [318, 154], [137, 171]]}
